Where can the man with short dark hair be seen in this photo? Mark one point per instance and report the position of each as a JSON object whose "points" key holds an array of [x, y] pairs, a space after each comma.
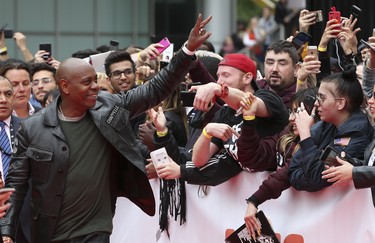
{"points": [[42, 81], [81, 153], [120, 69], [280, 69]]}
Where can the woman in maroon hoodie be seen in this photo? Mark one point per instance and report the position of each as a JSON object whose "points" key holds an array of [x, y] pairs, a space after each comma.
{"points": [[270, 152]]}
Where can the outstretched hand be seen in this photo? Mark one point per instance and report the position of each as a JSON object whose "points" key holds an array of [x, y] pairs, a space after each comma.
{"points": [[198, 34]]}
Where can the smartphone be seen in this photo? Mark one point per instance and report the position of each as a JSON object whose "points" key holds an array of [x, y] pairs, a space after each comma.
{"points": [[367, 45], [313, 51], [300, 39], [187, 98], [309, 102], [8, 33], [329, 154], [333, 14], [159, 156], [318, 15], [113, 45], [355, 11], [6, 189], [46, 47], [165, 42]]}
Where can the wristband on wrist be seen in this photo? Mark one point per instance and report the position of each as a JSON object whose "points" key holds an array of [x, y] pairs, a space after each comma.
{"points": [[204, 132], [4, 51], [249, 118], [300, 82], [322, 49], [162, 133], [139, 56]]}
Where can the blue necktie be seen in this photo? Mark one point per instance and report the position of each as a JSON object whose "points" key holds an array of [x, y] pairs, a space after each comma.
{"points": [[5, 148]]}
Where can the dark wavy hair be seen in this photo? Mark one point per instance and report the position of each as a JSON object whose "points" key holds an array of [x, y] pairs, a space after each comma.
{"points": [[117, 56], [348, 87], [281, 46]]}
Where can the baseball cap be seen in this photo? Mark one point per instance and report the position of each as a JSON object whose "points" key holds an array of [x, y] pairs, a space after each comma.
{"points": [[241, 62]]}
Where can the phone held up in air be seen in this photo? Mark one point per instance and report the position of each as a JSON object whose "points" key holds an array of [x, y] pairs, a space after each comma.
{"points": [[300, 39], [318, 15], [313, 51], [8, 33], [355, 11], [309, 102], [165, 42], [333, 14], [113, 45], [46, 47]]}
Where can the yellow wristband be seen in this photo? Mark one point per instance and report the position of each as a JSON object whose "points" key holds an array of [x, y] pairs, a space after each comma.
{"points": [[4, 49], [322, 49], [163, 133], [206, 134], [249, 118], [300, 82]]}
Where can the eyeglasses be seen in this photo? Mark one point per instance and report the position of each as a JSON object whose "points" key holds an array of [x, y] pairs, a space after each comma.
{"points": [[44, 81], [321, 99], [117, 74]]}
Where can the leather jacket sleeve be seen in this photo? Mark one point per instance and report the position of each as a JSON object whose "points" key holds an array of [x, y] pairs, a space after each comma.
{"points": [[364, 176], [160, 86]]}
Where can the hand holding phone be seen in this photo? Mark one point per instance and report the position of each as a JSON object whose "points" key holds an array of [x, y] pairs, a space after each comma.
{"points": [[333, 14], [329, 154], [318, 15], [46, 47], [165, 42], [313, 51]]}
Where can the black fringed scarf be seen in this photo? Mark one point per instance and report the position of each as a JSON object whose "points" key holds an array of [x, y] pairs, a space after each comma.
{"points": [[172, 198]]}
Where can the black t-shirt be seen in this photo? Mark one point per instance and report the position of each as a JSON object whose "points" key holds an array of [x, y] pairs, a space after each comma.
{"points": [[265, 126]]}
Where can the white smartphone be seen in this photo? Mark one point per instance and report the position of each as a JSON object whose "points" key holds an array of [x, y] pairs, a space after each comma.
{"points": [[6, 189], [159, 156], [313, 51]]}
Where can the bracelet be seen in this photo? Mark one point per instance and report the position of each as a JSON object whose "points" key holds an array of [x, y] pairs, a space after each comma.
{"points": [[4, 51], [208, 136], [322, 49], [224, 91], [300, 82], [139, 57], [249, 118], [163, 133], [186, 50]]}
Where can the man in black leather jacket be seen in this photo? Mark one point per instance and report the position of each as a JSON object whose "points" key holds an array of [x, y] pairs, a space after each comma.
{"points": [[80, 152]]}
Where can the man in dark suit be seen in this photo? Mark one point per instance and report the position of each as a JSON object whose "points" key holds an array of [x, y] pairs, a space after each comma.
{"points": [[80, 152], [11, 126]]}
